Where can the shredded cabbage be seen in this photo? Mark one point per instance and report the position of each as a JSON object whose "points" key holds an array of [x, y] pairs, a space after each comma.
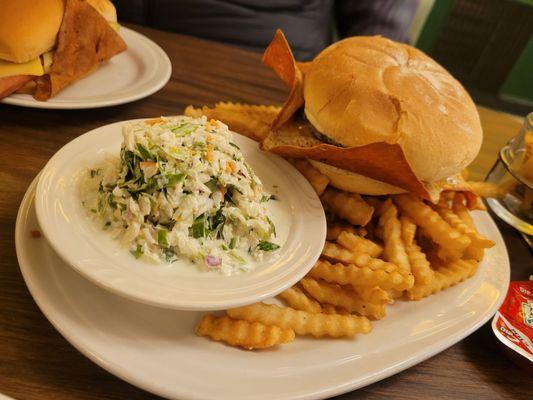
{"points": [[181, 189]]}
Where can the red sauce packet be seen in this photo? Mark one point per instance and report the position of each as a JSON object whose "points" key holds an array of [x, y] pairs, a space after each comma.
{"points": [[513, 323]]}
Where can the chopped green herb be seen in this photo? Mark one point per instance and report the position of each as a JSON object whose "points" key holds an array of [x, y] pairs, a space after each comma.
{"points": [[138, 252], [272, 226], [267, 246], [144, 152], [199, 229], [233, 242], [237, 258], [234, 145], [265, 198], [174, 179], [212, 184], [162, 237], [170, 256]]}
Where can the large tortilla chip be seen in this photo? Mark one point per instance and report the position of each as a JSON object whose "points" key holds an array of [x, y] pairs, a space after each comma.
{"points": [[278, 56], [85, 40], [381, 161]]}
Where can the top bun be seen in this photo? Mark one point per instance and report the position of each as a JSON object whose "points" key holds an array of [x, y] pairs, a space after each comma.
{"points": [[28, 28], [363, 90], [106, 8]]}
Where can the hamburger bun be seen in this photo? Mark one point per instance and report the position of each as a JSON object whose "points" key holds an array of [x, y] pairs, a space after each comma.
{"points": [[28, 28], [364, 90]]}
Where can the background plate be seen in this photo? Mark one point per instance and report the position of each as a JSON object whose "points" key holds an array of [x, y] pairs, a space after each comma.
{"points": [[157, 350], [141, 70]]}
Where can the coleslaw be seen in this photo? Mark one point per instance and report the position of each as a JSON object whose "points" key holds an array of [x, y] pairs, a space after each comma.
{"points": [[181, 189]]}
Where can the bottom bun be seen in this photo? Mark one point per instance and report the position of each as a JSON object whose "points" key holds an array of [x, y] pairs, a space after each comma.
{"points": [[352, 182]]}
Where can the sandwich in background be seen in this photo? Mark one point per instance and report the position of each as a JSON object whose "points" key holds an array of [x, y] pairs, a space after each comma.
{"points": [[46, 45]]}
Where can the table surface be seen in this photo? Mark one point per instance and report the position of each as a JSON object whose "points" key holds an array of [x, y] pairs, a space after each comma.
{"points": [[37, 363]]}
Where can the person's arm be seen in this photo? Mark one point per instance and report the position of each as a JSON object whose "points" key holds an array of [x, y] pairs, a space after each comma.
{"points": [[389, 18]]}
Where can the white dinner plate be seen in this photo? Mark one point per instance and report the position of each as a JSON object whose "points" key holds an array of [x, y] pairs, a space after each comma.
{"points": [[141, 70], [297, 215], [156, 349]]}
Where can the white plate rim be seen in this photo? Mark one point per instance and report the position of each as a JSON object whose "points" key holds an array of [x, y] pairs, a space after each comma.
{"points": [[126, 375], [299, 266], [163, 63]]}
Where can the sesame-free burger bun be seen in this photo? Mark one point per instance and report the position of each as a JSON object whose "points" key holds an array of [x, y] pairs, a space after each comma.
{"points": [[28, 28], [363, 90]]}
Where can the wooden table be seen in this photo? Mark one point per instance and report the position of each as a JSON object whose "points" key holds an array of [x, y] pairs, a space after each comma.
{"points": [[37, 363]]}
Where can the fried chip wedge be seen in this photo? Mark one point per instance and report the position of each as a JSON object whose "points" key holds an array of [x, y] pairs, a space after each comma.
{"points": [[85, 39], [297, 299], [394, 249], [452, 242], [342, 297], [318, 180], [252, 121], [354, 275], [278, 56], [348, 206], [245, 334], [449, 275], [359, 244], [302, 322]]}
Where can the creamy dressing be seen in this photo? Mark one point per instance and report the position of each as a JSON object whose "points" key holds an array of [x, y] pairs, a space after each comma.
{"points": [[181, 190]]}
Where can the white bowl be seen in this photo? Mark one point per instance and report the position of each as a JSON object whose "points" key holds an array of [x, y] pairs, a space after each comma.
{"points": [[298, 216]]}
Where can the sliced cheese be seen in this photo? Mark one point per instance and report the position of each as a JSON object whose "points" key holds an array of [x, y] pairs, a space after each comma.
{"points": [[115, 26], [33, 67]]}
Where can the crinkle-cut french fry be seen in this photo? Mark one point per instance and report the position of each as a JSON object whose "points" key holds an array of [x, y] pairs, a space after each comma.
{"points": [[302, 322], [297, 299], [249, 335], [478, 242], [341, 297], [373, 294], [354, 275], [375, 202], [449, 275], [486, 189], [317, 179], [331, 309], [335, 229], [348, 206], [420, 266], [394, 249], [408, 230], [452, 242], [193, 112], [359, 244], [334, 252], [459, 208]]}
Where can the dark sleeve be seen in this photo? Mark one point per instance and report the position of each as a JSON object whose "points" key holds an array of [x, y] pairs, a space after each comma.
{"points": [[390, 18]]}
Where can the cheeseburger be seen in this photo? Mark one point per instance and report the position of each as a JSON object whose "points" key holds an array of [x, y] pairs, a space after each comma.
{"points": [[375, 116], [45, 45]]}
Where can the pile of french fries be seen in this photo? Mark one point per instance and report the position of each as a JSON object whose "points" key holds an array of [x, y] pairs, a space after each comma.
{"points": [[378, 250]]}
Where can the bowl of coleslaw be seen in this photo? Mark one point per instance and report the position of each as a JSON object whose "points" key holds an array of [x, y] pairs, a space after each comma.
{"points": [[179, 212]]}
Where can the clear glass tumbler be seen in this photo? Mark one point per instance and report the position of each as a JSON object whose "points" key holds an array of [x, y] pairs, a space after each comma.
{"points": [[513, 171]]}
